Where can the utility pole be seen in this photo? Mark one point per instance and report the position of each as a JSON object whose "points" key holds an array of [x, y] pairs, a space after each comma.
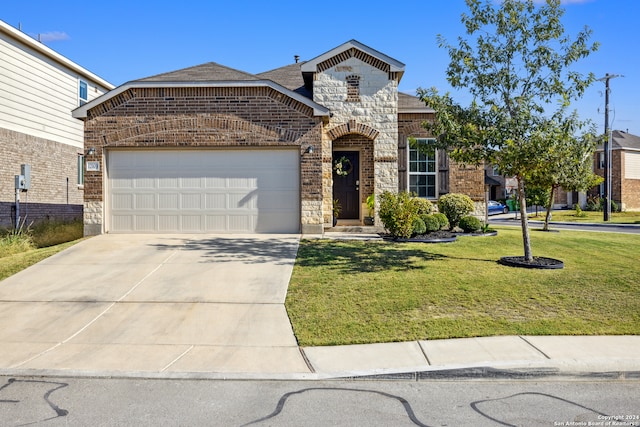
{"points": [[607, 147]]}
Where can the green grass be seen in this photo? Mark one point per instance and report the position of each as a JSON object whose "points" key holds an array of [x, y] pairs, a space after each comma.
{"points": [[590, 217], [366, 292], [23, 248], [12, 264]]}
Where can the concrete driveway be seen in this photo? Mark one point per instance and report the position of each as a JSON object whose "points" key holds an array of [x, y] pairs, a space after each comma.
{"points": [[154, 304]]}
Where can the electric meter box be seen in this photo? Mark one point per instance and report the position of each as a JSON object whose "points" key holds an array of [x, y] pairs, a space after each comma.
{"points": [[25, 171], [20, 182]]}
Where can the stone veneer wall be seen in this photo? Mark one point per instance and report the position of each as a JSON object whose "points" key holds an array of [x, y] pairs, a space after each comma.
{"points": [[205, 118], [376, 107], [54, 192]]}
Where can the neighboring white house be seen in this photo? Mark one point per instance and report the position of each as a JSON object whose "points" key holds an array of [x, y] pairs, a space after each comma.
{"points": [[38, 90]]}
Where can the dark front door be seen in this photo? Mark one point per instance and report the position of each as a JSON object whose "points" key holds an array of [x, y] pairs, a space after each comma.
{"points": [[346, 183]]}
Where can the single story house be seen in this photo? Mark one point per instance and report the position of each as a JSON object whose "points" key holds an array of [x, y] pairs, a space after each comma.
{"points": [[214, 149], [625, 170], [38, 90]]}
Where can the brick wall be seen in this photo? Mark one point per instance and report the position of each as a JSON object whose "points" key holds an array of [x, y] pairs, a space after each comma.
{"points": [[467, 180], [54, 193], [207, 117], [630, 190]]}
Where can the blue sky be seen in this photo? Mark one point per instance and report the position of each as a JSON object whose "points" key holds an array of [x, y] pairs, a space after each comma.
{"points": [[127, 40]]}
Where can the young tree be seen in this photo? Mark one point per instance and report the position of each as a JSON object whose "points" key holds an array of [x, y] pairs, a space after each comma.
{"points": [[517, 69], [568, 161]]}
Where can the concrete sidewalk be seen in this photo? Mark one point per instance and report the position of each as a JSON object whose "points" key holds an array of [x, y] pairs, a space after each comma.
{"points": [[565, 355]]}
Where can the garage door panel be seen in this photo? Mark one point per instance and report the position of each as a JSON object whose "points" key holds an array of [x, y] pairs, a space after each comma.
{"points": [[168, 223], [204, 191], [122, 201], [168, 201], [145, 202], [144, 223]]}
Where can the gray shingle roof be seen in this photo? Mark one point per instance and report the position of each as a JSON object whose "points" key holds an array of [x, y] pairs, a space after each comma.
{"points": [[210, 71], [624, 140], [289, 76], [409, 103]]}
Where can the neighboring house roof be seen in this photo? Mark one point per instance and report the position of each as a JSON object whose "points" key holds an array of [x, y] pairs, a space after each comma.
{"points": [[51, 54], [412, 104], [491, 181], [624, 140], [621, 140]]}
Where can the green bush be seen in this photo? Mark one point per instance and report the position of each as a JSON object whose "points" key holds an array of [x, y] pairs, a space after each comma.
{"points": [[431, 222], [424, 206], [470, 224], [442, 219], [455, 206], [397, 213], [596, 203], [419, 227]]}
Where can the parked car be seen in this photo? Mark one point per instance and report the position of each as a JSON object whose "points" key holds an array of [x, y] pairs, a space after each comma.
{"points": [[495, 208]]}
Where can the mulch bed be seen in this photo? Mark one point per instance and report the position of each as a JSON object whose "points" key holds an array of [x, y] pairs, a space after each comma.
{"points": [[538, 262], [437, 237]]}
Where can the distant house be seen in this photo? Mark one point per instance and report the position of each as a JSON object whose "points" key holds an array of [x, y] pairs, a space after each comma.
{"points": [[625, 170], [214, 149], [38, 90]]}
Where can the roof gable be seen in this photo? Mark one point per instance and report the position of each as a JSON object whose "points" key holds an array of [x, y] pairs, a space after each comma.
{"points": [[208, 72], [352, 48]]}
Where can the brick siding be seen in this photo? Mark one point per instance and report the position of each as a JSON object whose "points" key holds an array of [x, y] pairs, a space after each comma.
{"points": [[54, 193], [207, 118]]}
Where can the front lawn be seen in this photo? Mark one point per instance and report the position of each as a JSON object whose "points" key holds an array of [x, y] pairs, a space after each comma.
{"points": [[365, 292]]}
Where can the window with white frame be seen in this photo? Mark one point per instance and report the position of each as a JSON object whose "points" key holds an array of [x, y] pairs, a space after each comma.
{"points": [[422, 168], [83, 92], [496, 171]]}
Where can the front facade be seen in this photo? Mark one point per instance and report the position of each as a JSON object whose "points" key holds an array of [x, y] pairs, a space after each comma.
{"points": [[212, 149], [39, 89], [625, 170]]}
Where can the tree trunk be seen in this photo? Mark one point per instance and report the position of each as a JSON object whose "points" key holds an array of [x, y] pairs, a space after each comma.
{"points": [[547, 217], [524, 221]]}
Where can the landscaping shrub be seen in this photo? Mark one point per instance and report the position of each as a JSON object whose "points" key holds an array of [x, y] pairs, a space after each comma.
{"points": [[397, 213], [470, 224], [455, 206], [419, 227], [424, 206], [442, 220], [596, 203], [431, 222]]}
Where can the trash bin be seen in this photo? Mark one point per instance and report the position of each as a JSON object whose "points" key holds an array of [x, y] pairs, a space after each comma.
{"points": [[511, 204]]}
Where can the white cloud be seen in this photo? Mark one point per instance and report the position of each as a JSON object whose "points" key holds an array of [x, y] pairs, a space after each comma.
{"points": [[53, 36]]}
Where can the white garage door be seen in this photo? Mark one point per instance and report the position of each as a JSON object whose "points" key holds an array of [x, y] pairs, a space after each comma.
{"points": [[203, 191]]}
